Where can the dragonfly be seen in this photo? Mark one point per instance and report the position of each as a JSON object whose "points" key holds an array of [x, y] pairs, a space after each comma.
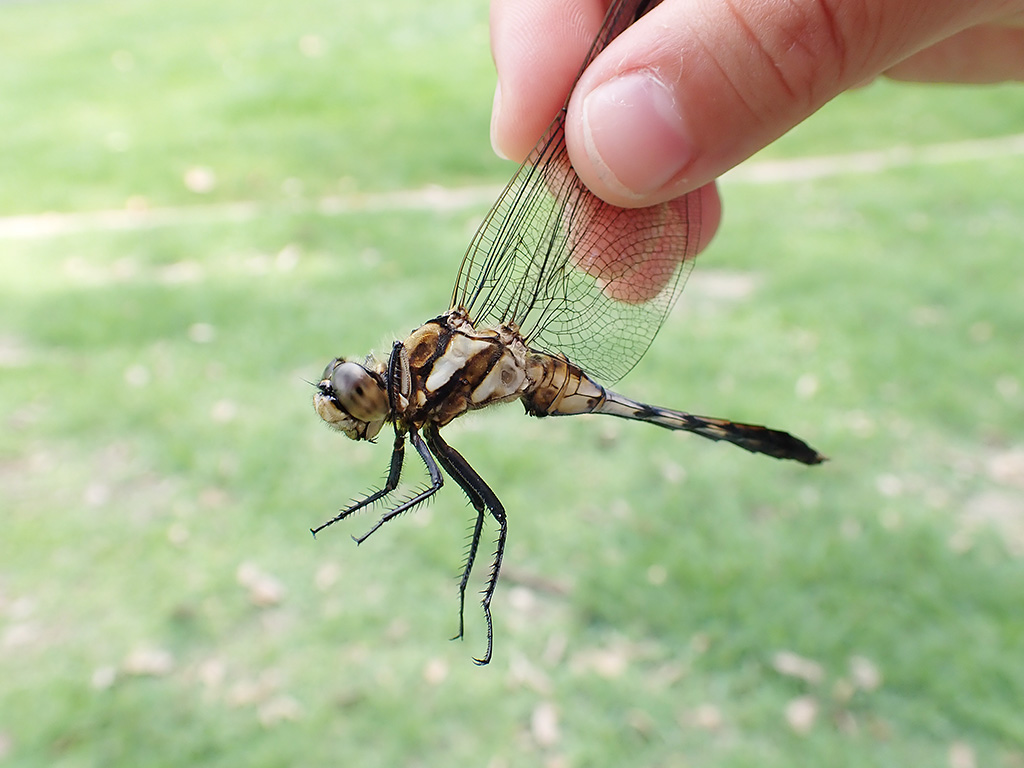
{"points": [[558, 296]]}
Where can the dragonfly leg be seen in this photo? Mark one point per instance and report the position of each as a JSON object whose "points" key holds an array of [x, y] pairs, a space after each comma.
{"points": [[394, 473], [482, 497], [443, 452], [436, 481]]}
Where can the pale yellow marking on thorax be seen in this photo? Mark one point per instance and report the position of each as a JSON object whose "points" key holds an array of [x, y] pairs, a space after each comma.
{"points": [[460, 350], [506, 379]]}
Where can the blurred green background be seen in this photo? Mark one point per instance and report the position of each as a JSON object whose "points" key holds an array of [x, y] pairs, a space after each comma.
{"points": [[200, 207]]}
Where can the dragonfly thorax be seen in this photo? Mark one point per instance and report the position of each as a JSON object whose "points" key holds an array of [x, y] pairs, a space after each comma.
{"points": [[352, 399]]}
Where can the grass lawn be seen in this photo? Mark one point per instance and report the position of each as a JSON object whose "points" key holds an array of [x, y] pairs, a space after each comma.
{"points": [[667, 601]]}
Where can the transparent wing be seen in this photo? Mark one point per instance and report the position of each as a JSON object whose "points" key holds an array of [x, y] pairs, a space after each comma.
{"points": [[577, 275]]}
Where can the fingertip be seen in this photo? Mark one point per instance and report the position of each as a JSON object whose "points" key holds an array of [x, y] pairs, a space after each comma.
{"points": [[683, 95], [634, 138], [538, 46], [629, 134]]}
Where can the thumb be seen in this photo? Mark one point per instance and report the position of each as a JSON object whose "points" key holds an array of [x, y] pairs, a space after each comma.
{"points": [[695, 87]]}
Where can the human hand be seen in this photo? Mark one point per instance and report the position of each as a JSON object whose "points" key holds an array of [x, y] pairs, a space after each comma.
{"points": [[697, 86]]}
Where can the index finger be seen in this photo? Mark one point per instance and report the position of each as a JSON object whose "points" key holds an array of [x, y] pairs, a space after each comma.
{"points": [[538, 47]]}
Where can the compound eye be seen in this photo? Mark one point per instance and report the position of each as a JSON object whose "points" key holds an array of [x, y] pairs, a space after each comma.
{"points": [[358, 391], [326, 376]]}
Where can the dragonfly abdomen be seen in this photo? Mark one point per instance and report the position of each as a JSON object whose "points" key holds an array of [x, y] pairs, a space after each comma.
{"points": [[750, 437], [563, 389]]}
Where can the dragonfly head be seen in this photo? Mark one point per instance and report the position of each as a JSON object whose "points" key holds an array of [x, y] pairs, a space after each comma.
{"points": [[352, 399]]}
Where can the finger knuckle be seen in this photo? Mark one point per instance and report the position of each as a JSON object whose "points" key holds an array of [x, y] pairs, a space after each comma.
{"points": [[806, 43]]}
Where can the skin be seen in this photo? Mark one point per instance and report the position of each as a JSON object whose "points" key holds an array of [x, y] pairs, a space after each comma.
{"points": [[697, 86]]}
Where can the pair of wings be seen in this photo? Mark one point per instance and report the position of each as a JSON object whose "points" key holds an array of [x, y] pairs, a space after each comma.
{"points": [[577, 275]]}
